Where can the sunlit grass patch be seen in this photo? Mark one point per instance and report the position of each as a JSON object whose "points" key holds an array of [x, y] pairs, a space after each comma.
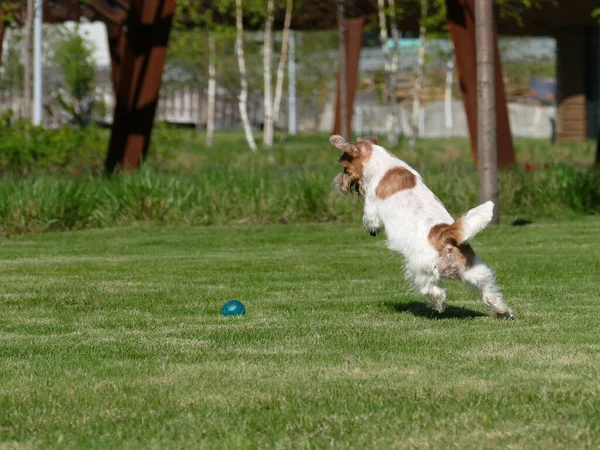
{"points": [[113, 338]]}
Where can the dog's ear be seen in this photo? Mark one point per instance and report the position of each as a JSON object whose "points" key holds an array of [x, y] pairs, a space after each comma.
{"points": [[371, 139], [339, 142]]}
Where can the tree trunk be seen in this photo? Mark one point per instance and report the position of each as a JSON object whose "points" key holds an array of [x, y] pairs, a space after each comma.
{"points": [[420, 76], [390, 68], [212, 89], [292, 125], [27, 60], [267, 62], [448, 97], [383, 39], [487, 158], [285, 39], [243, 101], [343, 91], [392, 120]]}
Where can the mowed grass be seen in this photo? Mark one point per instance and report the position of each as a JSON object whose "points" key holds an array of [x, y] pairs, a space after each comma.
{"points": [[113, 339]]}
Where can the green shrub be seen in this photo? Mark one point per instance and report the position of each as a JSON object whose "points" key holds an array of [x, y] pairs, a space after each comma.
{"points": [[29, 150], [74, 56], [26, 149]]}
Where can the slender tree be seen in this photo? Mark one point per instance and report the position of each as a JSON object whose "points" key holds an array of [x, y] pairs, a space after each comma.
{"points": [[285, 42], [420, 76], [243, 101], [487, 158], [212, 89], [390, 67], [448, 96], [27, 59], [387, 56], [267, 62], [392, 120]]}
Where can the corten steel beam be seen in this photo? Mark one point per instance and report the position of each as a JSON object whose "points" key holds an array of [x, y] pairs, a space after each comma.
{"points": [[598, 148], [2, 29], [116, 47], [144, 48], [461, 22], [354, 35]]}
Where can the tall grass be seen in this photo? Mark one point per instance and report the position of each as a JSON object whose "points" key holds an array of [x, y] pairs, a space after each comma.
{"points": [[225, 194], [51, 181]]}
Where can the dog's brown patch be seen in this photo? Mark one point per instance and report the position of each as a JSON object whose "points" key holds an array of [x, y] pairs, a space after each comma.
{"points": [[454, 257], [444, 234], [374, 140], [395, 180], [371, 139]]}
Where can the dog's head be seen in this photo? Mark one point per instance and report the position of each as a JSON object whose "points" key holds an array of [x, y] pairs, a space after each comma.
{"points": [[353, 161]]}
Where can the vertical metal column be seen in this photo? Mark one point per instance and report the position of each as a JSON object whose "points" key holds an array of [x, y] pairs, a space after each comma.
{"points": [[461, 22], [2, 30], [142, 59], [353, 34]]}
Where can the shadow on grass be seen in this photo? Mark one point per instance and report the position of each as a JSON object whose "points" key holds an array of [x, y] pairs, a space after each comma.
{"points": [[419, 309]]}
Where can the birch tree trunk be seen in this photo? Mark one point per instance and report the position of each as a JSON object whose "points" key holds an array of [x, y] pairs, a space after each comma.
{"points": [[419, 80], [27, 60], [267, 61], [243, 101], [390, 66], [292, 125], [212, 90], [285, 39], [448, 96], [383, 39], [392, 119]]}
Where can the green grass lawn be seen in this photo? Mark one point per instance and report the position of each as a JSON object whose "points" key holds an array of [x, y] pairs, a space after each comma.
{"points": [[113, 339]]}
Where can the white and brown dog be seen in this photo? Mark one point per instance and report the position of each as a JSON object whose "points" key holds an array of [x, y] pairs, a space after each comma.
{"points": [[416, 223]]}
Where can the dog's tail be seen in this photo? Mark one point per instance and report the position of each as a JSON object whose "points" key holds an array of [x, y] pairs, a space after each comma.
{"points": [[474, 221]]}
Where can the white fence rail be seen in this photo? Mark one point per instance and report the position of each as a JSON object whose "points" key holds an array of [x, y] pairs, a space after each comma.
{"points": [[187, 106]]}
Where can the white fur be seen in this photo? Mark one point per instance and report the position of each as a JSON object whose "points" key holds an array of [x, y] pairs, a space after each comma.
{"points": [[407, 218], [476, 220]]}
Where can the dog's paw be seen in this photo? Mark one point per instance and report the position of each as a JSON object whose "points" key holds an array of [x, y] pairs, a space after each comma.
{"points": [[508, 315], [437, 307]]}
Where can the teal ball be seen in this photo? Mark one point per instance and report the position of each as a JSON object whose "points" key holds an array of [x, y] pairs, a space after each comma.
{"points": [[233, 308]]}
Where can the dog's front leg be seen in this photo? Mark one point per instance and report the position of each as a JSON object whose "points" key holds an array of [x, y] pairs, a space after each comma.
{"points": [[371, 219]]}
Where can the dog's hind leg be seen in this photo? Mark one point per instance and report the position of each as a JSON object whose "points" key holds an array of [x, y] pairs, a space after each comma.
{"points": [[437, 298], [430, 285], [483, 279]]}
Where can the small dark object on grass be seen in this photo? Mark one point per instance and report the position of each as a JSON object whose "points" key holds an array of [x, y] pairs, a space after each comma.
{"points": [[520, 222]]}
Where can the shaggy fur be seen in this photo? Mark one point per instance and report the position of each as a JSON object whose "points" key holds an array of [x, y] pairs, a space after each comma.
{"points": [[416, 223]]}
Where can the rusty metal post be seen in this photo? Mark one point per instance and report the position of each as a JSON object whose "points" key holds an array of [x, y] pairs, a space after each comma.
{"points": [[354, 34], [2, 30], [144, 48], [598, 147], [342, 91], [461, 22], [116, 47]]}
